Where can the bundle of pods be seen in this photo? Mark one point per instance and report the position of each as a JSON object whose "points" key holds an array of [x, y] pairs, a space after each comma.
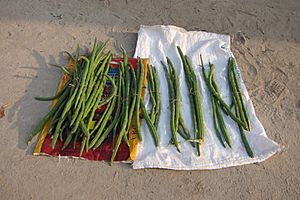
{"points": [[176, 119], [241, 116]]}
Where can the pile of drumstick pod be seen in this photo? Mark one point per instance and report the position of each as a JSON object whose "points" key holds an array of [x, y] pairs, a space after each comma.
{"points": [[89, 87], [74, 118]]}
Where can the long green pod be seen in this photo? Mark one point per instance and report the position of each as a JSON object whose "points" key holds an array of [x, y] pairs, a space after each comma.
{"points": [[176, 87], [157, 96], [190, 89], [103, 73], [150, 86], [83, 79], [91, 99], [223, 126], [198, 104], [94, 49], [104, 64], [217, 106], [243, 136], [238, 114], [172, 107], [90, 79], [239, 95], [216, 121], [100, 51], [235, 93], [150, 124], [97, 95], [245, 142], [127, 94], [134, 90], [121, 116], [93, 79], [198, 99], [140, 80], [218, 110], [214, 107], [96, 56], [124, 89]]}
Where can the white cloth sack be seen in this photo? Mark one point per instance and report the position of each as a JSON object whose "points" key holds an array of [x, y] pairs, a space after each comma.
{"points": [[157, 42]]}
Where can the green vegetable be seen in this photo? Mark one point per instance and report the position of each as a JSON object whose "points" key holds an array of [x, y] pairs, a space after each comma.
{"points": [[151, 83], [123, 129], [176, 86], [172, 106], [140, 81], [82, 79], [218, 110], [244, 113], [238, 110], [195, 99], [134, 90], [157, 98], [198, 104], [224, 105]]}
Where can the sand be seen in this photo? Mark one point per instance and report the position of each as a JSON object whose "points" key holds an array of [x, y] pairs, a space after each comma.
{"points": [[266, 42]]}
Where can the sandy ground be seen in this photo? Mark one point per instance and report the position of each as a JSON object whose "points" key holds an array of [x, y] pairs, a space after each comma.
{"points": [[265, 40]]}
